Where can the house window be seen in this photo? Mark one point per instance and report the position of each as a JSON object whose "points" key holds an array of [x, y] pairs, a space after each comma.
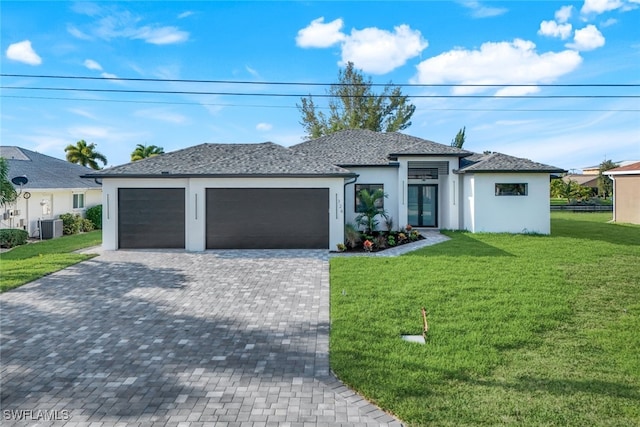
{"points": [[511, 189], [370, 188], [423, 173], [78, 201]]}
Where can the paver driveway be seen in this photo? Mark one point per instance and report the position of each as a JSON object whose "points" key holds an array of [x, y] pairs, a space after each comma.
{"points": [[172, 338]]}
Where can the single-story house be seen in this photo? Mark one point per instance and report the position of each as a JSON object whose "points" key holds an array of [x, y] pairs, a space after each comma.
{"points": [[53, 187], [223, 196], [585, 180], [626, 193]]}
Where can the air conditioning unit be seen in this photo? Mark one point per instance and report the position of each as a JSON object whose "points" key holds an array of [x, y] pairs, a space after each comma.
{"points": [[50, 228]]}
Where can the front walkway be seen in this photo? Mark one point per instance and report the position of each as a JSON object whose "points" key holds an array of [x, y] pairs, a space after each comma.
{"points": [[169, 338]]}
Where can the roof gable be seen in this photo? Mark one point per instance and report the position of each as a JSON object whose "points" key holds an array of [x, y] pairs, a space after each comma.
{"points": [[44, 171], [264, 159], [631, 169]]}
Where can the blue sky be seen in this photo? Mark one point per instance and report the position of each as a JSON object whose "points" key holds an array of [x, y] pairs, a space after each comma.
{"points": [[532, 43]]}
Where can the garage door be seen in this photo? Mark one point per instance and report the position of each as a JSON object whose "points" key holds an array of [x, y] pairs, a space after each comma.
{"points": [[151, 217], [267, 218]]}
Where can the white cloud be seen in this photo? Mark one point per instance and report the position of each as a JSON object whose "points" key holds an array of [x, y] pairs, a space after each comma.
{"points": [[82, 113], [23, 52], [372, 50], [75, 32], [264, 126], [253, 72], [553, 29], [478, 10], [319, 34], [114, 22], [185, 14], [600, 6], [379, 51], [108, 75], [563, 14], [161, 35], [497, 63], [588, 38], [92, 65], [609, 22]]}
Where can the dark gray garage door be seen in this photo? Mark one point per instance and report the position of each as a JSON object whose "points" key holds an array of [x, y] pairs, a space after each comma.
{"points": [[267, 218], [151, 217]]}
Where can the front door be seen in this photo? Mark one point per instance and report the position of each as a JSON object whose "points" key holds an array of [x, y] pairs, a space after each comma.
{"points": [[423, 205]]}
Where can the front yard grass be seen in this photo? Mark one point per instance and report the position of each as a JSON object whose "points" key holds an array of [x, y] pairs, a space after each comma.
{"points": [[524, 329], [29, 262]]}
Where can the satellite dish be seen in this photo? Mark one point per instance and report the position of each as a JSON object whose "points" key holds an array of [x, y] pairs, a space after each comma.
{"points": [[20, 180]]}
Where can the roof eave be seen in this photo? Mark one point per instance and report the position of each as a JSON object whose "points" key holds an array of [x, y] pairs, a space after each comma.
{"points": [[461, 171], [225, 175]]}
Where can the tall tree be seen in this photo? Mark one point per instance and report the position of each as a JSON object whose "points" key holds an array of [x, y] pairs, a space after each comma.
{"points": [[460, 138], [354, 105], [605, 185], [142, 151], [7, 192], [85, 154]]}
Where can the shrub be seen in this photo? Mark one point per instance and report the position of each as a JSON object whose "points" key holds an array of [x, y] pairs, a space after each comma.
{"points": [[391, 240], [341, 247], [71, 223], [10, 237], [351, 235], [87, 225], [94, 214]]}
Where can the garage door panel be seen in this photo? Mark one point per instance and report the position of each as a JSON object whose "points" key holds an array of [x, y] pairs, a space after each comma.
{"points": [[151, 218], [267, 218]]}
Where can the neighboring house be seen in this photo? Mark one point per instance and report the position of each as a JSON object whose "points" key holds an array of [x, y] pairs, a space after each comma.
{"points": [[214, 196], [626, 193], [585, 180], [54, 187], [595, 170]]}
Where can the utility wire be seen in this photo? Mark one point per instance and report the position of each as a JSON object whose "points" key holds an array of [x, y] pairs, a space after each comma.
{"points": [[245, 82], [323, 108], [180, 92]]}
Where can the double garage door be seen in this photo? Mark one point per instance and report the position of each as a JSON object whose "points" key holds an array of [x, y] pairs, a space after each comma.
{"points": [[236, 218]]}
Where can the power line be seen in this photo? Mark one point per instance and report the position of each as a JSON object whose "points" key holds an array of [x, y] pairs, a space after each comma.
{"points": [[270, 83], [181, 92], [292, 107]]}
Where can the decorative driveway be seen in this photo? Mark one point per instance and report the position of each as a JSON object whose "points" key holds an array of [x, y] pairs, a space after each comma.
{"points": [[170, 338]]}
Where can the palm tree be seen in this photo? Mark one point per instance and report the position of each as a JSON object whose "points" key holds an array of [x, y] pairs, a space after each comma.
{"points": [[144, 151], [85, 154]]}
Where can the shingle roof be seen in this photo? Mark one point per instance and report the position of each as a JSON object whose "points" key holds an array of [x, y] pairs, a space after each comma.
{"points": [[632, 168], [44, 171], [265, 159], [498, 162], [364, 147]]}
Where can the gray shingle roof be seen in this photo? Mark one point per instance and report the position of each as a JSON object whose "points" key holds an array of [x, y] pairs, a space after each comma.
{"points": [[45, 171], [498, 162], [265, 159], [364, 147]]}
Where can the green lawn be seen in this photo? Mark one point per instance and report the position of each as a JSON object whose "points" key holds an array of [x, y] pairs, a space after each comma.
{"points": [[25, 263], [524, 329]]}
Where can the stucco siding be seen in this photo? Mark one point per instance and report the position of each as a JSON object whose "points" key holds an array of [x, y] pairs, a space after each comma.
{"points": [[488, 212], [47, 204], [388, 177], [195, 198], [627, 199]]}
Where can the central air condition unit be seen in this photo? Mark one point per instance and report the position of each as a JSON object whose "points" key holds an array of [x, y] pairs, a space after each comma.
{"points": [[50, 228]]}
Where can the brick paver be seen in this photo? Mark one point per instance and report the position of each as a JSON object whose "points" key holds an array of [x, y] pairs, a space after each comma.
{"points": [[169, 338]]}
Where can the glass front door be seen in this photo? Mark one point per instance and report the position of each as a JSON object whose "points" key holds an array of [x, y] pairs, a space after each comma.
{"points": [[423, 205]]}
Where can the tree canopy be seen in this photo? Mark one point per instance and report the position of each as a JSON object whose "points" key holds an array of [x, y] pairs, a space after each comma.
{"points": [[85, 154], [7, 192], [460, 138], [143, 151], [354, 105], [605, 185]]}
